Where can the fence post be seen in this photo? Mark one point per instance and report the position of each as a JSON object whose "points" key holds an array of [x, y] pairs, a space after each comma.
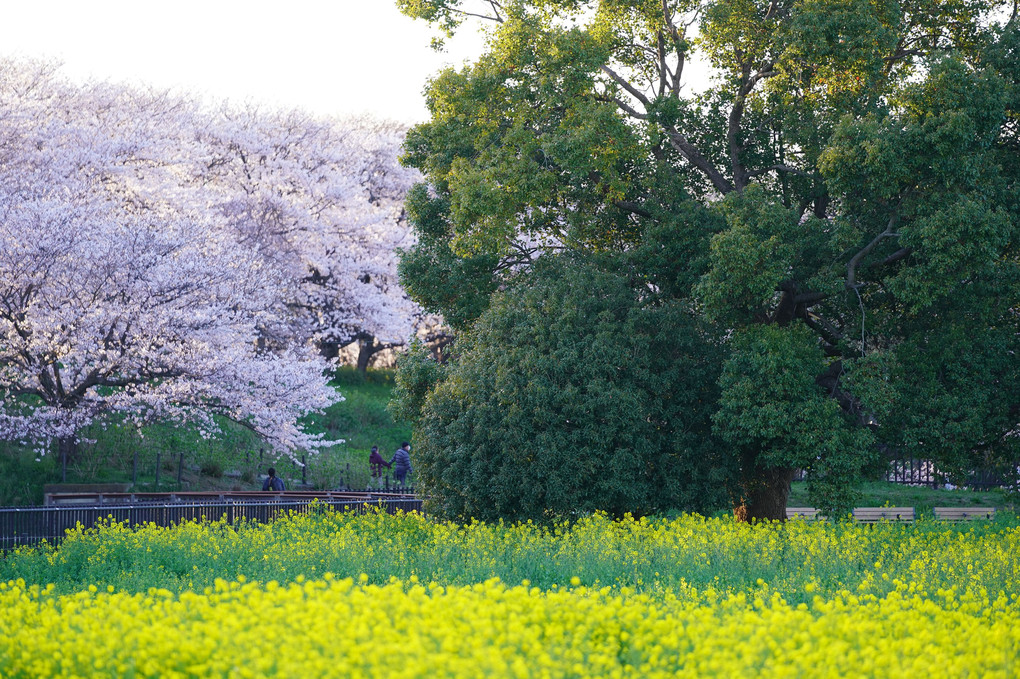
{"points": [[304, 471], [157, 469], [134, 470], [180, 470]]}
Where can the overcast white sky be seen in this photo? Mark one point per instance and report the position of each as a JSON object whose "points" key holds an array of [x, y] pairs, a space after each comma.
{"points": [[326, 56]]}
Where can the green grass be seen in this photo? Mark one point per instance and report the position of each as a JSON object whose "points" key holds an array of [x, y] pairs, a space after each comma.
{"points": [[232, 461], [22, 478], [362, 421], [881, 493]]}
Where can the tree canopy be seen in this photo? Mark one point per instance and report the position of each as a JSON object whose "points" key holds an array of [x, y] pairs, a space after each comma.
{"points": [[570, 394], [832, 183]]}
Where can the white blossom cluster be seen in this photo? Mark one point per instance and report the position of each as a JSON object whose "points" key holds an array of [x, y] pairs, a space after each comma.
{"points": [[161, 261], [323, 200]]}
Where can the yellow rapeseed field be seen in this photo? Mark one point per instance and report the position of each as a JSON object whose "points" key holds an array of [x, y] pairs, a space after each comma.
{"points": [[932, 601]]}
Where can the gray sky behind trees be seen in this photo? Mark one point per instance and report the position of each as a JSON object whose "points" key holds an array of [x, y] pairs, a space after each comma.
{"points": [[328, 57]]}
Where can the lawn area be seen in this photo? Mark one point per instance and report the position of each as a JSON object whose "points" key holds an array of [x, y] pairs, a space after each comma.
{"points": [[922, 499], [232, 461]]}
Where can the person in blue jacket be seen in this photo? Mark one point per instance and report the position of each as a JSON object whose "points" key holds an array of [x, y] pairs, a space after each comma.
{"points": [[273, 482], [401, 463]]}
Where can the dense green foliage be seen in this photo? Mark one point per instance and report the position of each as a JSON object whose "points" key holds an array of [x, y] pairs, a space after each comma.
{"points": [[841, 201], [571, 395], [418, 372]]}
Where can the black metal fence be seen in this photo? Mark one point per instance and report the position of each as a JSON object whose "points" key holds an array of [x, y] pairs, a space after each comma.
{"points": [[31, 525], [916, 472]]}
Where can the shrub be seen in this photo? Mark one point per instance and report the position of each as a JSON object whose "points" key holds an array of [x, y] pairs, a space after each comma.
{"points": [[573, 393], [212, 468]]}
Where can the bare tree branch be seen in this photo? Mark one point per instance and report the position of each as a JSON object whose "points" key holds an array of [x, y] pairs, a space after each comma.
{"points": [[663, 69], [495, 9], [692, 154], [626, 108], [749, 81], [823, 328]]}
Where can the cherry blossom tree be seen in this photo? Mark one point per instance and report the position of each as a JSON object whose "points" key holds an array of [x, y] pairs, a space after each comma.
{"points": [[119, 293], [322, 198]]}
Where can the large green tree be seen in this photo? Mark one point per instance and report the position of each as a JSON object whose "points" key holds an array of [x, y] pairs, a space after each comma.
{"points": [[573, 392], [833, 183]]}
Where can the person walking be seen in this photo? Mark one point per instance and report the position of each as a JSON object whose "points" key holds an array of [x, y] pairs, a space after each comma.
{"points": [[375, 466], [273, 482], [401, 463]]}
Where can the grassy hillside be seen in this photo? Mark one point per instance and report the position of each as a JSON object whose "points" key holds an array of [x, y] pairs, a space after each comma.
{"points": [[233, 461], [362, 421]]}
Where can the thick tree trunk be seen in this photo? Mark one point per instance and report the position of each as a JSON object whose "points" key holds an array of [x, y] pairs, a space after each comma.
{"points": [[67, 454], [764, 492], [367, 348]]}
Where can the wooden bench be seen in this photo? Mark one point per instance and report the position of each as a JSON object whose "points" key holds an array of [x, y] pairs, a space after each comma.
{"points": [[806, 513], [861, 514], [876, 514], [964, 513]]}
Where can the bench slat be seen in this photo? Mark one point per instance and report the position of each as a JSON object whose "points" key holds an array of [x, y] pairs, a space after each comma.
{"points": [[874, 514], [964, 513], [806, 513], [861, 514]]}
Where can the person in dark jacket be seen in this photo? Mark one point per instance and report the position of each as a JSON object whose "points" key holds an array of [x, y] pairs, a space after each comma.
{"points": [[375, 466], [401, 463], [273, 482]]}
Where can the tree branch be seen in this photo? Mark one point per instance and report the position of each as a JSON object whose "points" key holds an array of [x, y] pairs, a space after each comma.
{"points": [[829, 333], [625, 107], [740, 175], [498, 19], [495, 9], [809, 298], [626, 84], [663, 69], [902, 253], [692, 154], [779, 167], [851, 267], [676, 139], [634, 208]]}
